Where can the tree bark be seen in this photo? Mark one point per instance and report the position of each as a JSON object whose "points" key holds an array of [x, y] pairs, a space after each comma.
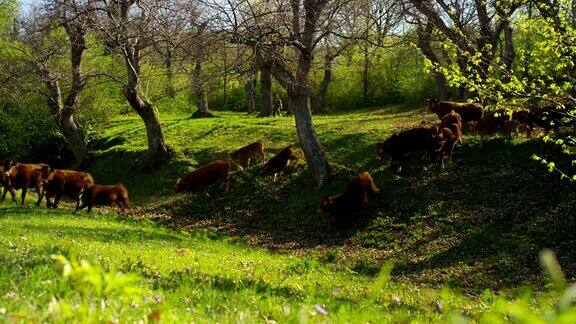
{"points": [[266, 91], [202, 110], [73, 136], [425, 45], [169, 74], [157, 148], [323, 89], [250, 91], [508, 53], [311, 146], [366, 75]]}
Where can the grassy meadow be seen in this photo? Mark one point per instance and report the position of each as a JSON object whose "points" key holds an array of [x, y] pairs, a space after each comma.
{"points": [[437, 245]]}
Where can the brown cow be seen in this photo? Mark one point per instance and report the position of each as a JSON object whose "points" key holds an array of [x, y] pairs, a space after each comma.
{"points": [[200, 179], [550, 118], [4, 167], [248, 153], [25, 176], [66, 182], [98, 195], [426, 138], [353, 199], [279, 162], [493, 121], [470, 112], [451, 137], [524, 119], [453, 121]]}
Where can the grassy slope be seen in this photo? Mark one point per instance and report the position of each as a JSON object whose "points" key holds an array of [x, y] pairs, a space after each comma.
{"points": [[478, 224], [192, 277]]}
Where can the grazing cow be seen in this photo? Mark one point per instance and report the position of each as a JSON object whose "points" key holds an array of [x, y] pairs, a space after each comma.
{"points": [[250, 152], [524, 119], [279, 162], [353, 199], [425, 138], [493, 121], [453, 121], [470, 112], [66, 182], [98, 195], [451, 138], [200, 179], [25, 176], [549, 118], [4, 167], [511, 128]]}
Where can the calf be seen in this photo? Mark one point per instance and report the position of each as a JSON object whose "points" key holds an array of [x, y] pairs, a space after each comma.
{"points": [[453, 121], [426, 138], [66, 182], [98, 195], [353, 199], [200, 179], [450, 137], [279, 162], [469, 112], [248, 153], [25, 176]]}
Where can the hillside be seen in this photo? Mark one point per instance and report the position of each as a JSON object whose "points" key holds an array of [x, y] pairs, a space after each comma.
{"points": [[479, 223], [261, 251]]}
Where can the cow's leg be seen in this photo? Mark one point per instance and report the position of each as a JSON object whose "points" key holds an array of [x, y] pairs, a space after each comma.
{"points": [[12, 193], [121, 206], [275, 176], [48, 202], [77, 202], [89, 207], [24, 192], [57, 200], [78, 208], [40, 192]]}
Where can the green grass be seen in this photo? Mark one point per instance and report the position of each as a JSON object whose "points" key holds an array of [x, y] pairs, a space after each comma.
{"points": [[188, 277], [262, 251], [479, 223]]}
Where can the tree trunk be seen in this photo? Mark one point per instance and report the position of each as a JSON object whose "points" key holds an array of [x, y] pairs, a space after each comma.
{"points": [[425, 45], [311, 146], [279, 107], [157, 148], [508, 53], [73, 136], [323, 89], [366, 76], [202, 110], [169, 74], [266, 91], [250, 85]]}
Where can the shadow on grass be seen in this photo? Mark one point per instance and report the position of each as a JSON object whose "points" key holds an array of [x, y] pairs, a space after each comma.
{"points": [[492, 208]]}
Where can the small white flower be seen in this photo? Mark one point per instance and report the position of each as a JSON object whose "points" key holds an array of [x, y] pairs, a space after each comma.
{"points": [[2, 311], [320, 309]]}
